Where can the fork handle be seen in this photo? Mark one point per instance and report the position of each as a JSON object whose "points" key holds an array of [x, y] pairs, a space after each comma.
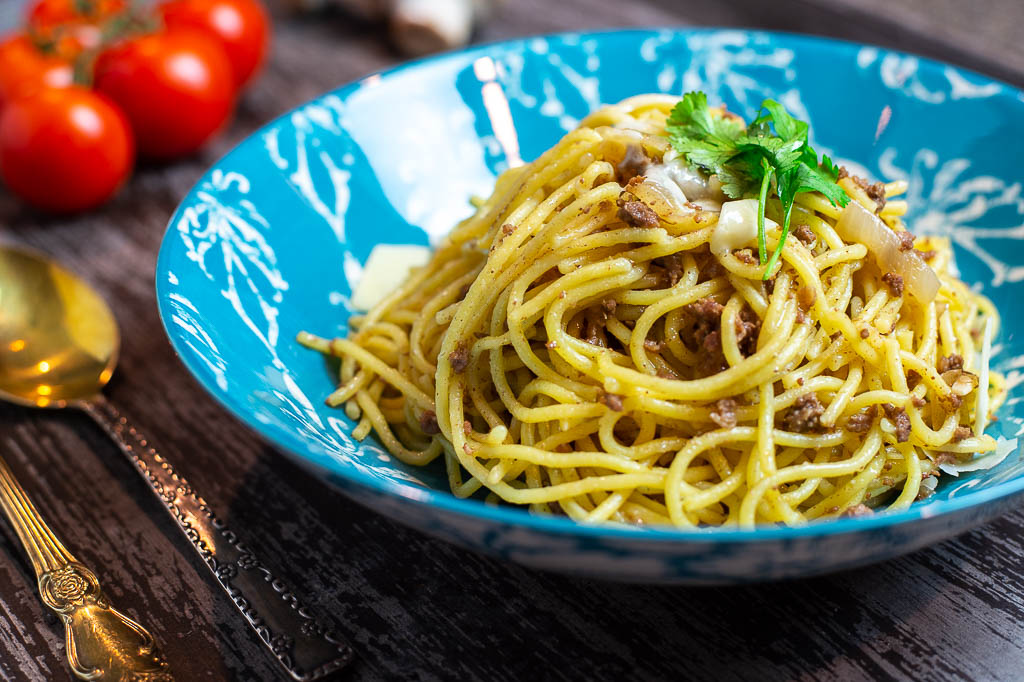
{"points": [[102, 643], [306, 647]]}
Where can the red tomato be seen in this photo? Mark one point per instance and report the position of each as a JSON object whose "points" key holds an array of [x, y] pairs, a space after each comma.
{"points": [[175, 87], [241, 26], [23, 69], [71, 25], [64, 150]]}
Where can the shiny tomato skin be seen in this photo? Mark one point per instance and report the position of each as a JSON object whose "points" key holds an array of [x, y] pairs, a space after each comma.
{"points": [[241, 26], [64, 150], [24, 69], [175, 86]]}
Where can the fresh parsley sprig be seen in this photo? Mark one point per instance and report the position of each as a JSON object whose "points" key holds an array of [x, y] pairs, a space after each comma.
{"points": [[748, 160]]}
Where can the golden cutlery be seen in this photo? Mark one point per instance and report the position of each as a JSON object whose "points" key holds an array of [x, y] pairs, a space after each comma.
{"points": [[58, 348], [102, 643]]}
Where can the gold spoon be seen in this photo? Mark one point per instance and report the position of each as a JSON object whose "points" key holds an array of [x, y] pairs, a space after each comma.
{"points": [[102, 643], [58, 348]]}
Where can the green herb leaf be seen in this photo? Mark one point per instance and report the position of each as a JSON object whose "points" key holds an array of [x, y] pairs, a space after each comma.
{"points": [[829, 167], [746, 160], [787, 127], [692, 118]]}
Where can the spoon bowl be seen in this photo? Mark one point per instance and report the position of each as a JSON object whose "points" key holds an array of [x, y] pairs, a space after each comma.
{"points": [[59, 340]]}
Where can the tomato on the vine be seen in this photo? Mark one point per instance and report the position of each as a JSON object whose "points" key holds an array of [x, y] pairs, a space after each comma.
{"points": [[23, 69], [64, 150], [46, 14], [241, 26], [71, 26], [175, 86]]}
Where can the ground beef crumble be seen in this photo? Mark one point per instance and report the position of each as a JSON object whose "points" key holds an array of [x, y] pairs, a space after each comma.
{"points": [[906, 240], [954, 361], [804, 416], [962, 432], [705, 332], [913, 379], [652, 345], [804, 234], [875, 191], [673, 264], [428, 423], [748, 329], [705, 336], [459, 358], [634, 163], [746, 255], [894, 282], [899, 417], [708, 314], [612, 400], [724, 413], [636, 213], [860, 422], [856, 510]]}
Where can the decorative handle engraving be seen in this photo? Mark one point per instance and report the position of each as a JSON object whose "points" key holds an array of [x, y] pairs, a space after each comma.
{"points": [[102, 643], [307, 647]]}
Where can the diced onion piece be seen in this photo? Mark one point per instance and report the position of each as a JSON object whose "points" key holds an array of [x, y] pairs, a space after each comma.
{"points": [[737, 227], [858, 224], [385, 270], [961, 383], [683, 183], [661, 200]]}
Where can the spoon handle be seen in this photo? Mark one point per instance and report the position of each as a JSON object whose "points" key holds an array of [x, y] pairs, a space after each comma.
{"points": [[306, 647], [102, 643]]}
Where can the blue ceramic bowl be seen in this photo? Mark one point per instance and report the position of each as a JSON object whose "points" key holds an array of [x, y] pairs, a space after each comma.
{"points": [[271, 239]]}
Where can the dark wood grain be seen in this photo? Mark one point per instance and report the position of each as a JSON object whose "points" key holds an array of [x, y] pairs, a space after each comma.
{"points": [[416, 608]]}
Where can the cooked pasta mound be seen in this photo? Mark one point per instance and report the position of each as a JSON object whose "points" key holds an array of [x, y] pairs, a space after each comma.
{"points": [[601, 340]]}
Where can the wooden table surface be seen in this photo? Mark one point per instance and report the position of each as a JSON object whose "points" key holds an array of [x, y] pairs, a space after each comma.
{"points": [[414, 607]]}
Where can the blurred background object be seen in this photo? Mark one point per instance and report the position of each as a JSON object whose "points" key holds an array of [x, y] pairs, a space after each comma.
{"points": [[982, 35], [417, 27], [932, 27]]}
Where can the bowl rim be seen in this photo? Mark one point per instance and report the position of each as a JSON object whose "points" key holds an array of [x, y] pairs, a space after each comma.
{"points": [[508, 515]]}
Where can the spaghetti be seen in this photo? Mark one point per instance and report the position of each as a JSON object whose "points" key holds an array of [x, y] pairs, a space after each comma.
{"points": [[596, 344]]}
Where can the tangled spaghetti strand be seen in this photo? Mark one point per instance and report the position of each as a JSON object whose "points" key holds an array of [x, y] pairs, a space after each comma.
{"points": [[568, 355]]}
